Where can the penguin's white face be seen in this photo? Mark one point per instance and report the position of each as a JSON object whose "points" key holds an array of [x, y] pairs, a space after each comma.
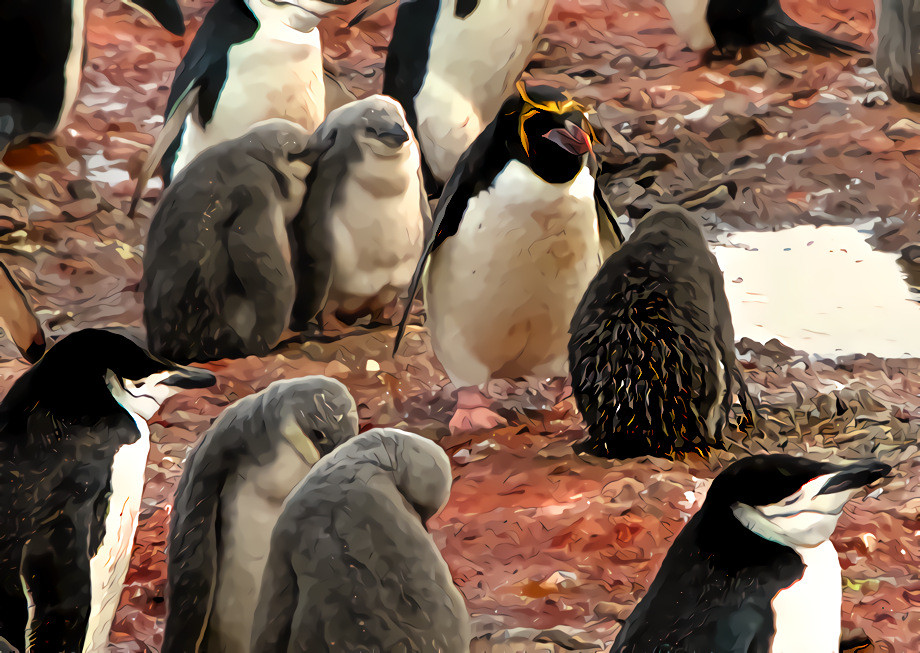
{"points": [[689, 20], [803, 519], [141, 397]]}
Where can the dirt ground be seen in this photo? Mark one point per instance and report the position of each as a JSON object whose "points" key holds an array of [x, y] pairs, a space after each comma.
{"points": [[550, 550]]}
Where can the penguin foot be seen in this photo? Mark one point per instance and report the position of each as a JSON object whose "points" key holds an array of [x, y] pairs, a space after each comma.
{"points": [[474, 412]]}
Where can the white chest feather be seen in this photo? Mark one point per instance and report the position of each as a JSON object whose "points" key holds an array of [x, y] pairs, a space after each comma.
{"points": [[808, 612], [472, 66], [502, 291], [276, 74], [109, 567], [249, 510], [378, 229]]}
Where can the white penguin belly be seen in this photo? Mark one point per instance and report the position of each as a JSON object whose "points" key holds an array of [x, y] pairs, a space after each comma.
{"points": [[807, 613], [109, 567], [249, 511], [378, 229], [688, 17], [73, 67], [274, 75], [462, 93], [501, 292]]}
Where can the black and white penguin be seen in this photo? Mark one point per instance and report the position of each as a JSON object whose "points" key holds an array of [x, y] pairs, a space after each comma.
{"points": [[652, 348], [352, 567], [73, 449], [897, 47], [517, 237], [366, 186], [753, 569], [451, 64], [729, 25], [18, 319], [46, 41], [218, 280], [229, 498], [251, 60]]}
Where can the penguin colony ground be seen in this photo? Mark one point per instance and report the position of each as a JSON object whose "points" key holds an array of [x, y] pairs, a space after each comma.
{"points": [[291, 531]]}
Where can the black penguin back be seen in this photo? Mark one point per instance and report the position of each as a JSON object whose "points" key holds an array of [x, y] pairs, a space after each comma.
{"points": [[647, 342]]}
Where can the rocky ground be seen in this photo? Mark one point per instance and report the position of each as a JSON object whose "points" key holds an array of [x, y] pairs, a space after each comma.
{"points": [[550, 550]]}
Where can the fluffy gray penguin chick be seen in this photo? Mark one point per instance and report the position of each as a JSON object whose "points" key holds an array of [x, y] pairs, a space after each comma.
{"points": [[230, 495], [352, 566]]}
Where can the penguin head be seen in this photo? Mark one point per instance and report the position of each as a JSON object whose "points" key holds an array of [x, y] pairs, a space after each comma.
{"points": [[377, 124], [787, 499], [553, 132], [315, 413], [93, 375], [300, 15], [421, 469]]}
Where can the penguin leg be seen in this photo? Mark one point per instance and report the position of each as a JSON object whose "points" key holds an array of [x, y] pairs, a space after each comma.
{"points": [[474, 412], [56, 574]]}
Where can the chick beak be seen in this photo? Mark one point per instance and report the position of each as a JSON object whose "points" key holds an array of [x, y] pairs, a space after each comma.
{"points": [[572, 138]]}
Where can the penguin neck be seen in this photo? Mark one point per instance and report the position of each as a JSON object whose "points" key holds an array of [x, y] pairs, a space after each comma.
{"points": [[721, 535], [278, 30]]}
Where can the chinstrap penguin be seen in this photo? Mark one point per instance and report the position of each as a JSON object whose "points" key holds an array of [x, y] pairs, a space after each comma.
{"points": [[230, 497], [68, 427], [753, 569], [652, 345], [250, 61], [43, 44], [218, 279], [366, 187], [18, 319], [729, 25], [352, 567], [517, 237], [451, 64]]}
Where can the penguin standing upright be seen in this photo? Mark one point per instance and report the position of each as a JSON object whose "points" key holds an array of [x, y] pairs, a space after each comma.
{"points": [[352, 567], [516, 242], [729, 25], [753, 569], [251, 60], [229, 498], [367, 189], [65, 424], [218, 278], [451, 64], [652, 352], [42, 45]]}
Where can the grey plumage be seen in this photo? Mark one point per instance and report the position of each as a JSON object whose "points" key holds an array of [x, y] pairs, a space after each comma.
{"points": [[312, 414], [652, 344], [897, 54], [218, 280], [352, 567], [366, 195]]}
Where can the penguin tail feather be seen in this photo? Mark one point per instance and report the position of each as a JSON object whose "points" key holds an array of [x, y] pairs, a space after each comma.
{"points": [[784, 30]]}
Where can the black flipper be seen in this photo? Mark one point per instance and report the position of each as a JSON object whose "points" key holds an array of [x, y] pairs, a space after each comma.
{"points": [[476, 170], [407, 63], [166, 12], [779, 29], [608, 228], [204, 66]]}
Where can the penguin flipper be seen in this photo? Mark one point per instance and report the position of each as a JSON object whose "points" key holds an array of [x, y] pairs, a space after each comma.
{"points": [[780, 29], [474, 172], [166, 12], [55, 573], [165, 141], [192, 556], [18, 319]]}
